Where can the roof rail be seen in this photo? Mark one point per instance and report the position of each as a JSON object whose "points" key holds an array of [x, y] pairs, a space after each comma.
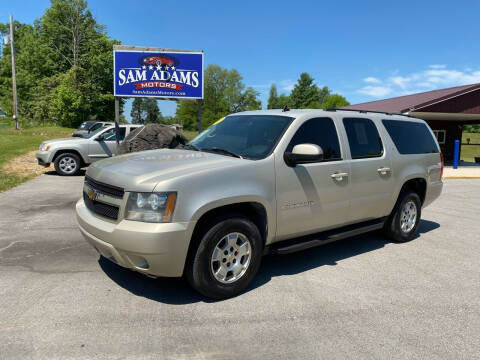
{"points": [[368, 111]]}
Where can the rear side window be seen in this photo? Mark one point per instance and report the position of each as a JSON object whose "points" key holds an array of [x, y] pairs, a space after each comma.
{"points": [[321, 132], [411, 137], [363, 138]]}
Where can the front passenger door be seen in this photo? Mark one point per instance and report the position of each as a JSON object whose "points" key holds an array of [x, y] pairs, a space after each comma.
{"points": [[107, 146], [312, 197]]}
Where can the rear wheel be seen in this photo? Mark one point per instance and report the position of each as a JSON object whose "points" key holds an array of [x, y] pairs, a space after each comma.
{"points": [[67, 164], [402, 224], [226, 259]]}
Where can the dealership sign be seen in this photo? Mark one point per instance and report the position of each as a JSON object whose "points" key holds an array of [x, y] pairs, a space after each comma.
{"points": [[170, 74]]}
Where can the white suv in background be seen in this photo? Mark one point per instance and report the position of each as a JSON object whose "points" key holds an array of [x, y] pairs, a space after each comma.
{"points": [[69, 155]]}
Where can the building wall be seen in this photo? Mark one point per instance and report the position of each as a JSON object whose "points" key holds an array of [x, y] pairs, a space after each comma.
{"points": [[453, 132]]}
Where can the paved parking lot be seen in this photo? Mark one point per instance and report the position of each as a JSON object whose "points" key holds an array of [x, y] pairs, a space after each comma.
{"points": [[359, 298]]}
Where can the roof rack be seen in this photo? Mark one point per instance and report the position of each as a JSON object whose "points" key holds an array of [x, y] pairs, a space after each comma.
{"points": [[368, 111]]}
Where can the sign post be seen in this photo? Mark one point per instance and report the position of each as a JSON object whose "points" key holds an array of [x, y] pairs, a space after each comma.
{"points": [[163, 74]]}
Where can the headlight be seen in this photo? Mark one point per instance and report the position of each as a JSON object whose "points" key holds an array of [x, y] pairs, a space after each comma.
{"points": [[44, 147], [150, 207]]}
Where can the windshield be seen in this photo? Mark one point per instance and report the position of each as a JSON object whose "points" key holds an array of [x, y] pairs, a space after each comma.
{"points": [[93, 133], [249, 136]]}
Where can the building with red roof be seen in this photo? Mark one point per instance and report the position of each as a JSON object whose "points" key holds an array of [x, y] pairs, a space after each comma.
{"points": [[445, 110]]}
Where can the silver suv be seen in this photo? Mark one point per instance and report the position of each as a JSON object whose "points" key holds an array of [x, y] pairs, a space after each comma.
{"points": [[260, 182], [69, 155]]}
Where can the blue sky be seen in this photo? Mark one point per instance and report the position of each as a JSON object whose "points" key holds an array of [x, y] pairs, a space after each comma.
{"points": [[364, 50]]}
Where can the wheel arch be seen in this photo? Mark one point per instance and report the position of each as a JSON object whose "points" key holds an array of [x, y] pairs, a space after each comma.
{"points": [[253, 210], [71, 151]]}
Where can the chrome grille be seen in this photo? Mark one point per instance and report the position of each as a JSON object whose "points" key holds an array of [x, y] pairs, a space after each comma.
{"points": [[111, 190], [108, 211]]}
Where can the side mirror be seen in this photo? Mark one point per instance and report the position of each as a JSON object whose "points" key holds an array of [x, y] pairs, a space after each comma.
{"points": [[303, 154], [99, 138]]}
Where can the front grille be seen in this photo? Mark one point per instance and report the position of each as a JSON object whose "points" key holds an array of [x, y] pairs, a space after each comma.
{"points": [[105, 188], [108, 211]]}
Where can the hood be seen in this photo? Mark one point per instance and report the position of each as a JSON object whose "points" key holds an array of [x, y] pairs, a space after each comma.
{"points": [[142, 171], [60, 142]]}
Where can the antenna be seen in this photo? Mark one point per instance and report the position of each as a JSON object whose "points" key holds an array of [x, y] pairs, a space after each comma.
{"points": [[285, 108]]}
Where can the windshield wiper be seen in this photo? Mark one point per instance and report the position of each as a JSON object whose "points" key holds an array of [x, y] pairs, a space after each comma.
{"points": [[190, 147], [222, 151]]}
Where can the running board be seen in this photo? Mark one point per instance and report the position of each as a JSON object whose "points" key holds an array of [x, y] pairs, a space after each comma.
{"points": [[309, 241]]}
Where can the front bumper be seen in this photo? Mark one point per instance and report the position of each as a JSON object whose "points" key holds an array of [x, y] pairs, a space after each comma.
{"points": [[154, 249], [43, 158]]}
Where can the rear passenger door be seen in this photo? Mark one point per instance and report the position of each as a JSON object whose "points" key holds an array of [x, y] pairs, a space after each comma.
{"points": [[371, 179]]}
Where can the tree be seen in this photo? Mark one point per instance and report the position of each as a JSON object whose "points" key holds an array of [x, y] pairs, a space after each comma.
{"points": [[272, 97], [306, 94], [64, 67], [152, 112], [334, 101], [137, 112], [146, 111], [224, 92]]}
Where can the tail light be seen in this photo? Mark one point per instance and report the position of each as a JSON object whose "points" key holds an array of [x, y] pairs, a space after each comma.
{"points": [[442, 163]]}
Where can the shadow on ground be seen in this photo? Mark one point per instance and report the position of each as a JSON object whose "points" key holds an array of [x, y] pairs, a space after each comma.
{"points": [[54, 173], [177, 291]]}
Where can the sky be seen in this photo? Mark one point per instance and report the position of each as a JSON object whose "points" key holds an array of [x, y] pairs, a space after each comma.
{"points": [[364, 50]]}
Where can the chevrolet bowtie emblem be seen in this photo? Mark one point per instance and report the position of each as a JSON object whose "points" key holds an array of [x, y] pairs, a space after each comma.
{"points": [[92, 194]]}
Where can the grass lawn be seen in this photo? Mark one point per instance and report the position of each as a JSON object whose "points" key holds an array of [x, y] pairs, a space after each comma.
{"points": [[468, 152], [14, 143]]}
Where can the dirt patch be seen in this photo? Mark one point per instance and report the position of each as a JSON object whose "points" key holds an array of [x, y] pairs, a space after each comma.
{"points": [[24, 165]]}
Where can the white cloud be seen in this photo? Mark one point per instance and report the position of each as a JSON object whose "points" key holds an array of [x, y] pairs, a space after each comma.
{"points": [[435, 76], [375, 91], [437, 66], [371, 80], [287, 85]]}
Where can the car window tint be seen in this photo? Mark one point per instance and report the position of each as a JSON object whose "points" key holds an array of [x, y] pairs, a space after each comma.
{"points": [[363, 138], [321, 132], [411, 137], [110, 134], [96, 126]]}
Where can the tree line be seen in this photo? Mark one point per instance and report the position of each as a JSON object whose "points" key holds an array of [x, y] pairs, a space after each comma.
{"points": [[65, 76], [64, 67]]}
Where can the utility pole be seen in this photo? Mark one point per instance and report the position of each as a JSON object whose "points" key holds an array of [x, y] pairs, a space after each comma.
{"points": [[14, 76]]}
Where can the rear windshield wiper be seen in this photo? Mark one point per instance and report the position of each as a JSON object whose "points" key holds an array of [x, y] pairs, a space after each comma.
{"points": [[221, 151]]}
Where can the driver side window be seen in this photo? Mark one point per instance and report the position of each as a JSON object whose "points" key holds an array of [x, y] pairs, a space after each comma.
{"points": [[110, 135], [321, 132]]}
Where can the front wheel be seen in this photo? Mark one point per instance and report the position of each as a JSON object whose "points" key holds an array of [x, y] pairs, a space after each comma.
{"points": [[67, 164], [226, 258], [403, 222]]}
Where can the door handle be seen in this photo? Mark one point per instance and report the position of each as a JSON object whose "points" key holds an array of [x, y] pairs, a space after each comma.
{"points": [[339, 176], [383, 170]]}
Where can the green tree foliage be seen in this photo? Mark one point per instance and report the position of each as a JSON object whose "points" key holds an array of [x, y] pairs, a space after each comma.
{"points": [[153, 114], [64, 67], [471, 128], [224, 93], [146, 111], [272, 97], [334, 101], [306, 95], [137, 113]]}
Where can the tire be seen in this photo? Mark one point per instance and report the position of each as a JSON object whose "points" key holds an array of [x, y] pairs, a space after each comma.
{"points": [[402, 224], [67, 164], [205, 273]]}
